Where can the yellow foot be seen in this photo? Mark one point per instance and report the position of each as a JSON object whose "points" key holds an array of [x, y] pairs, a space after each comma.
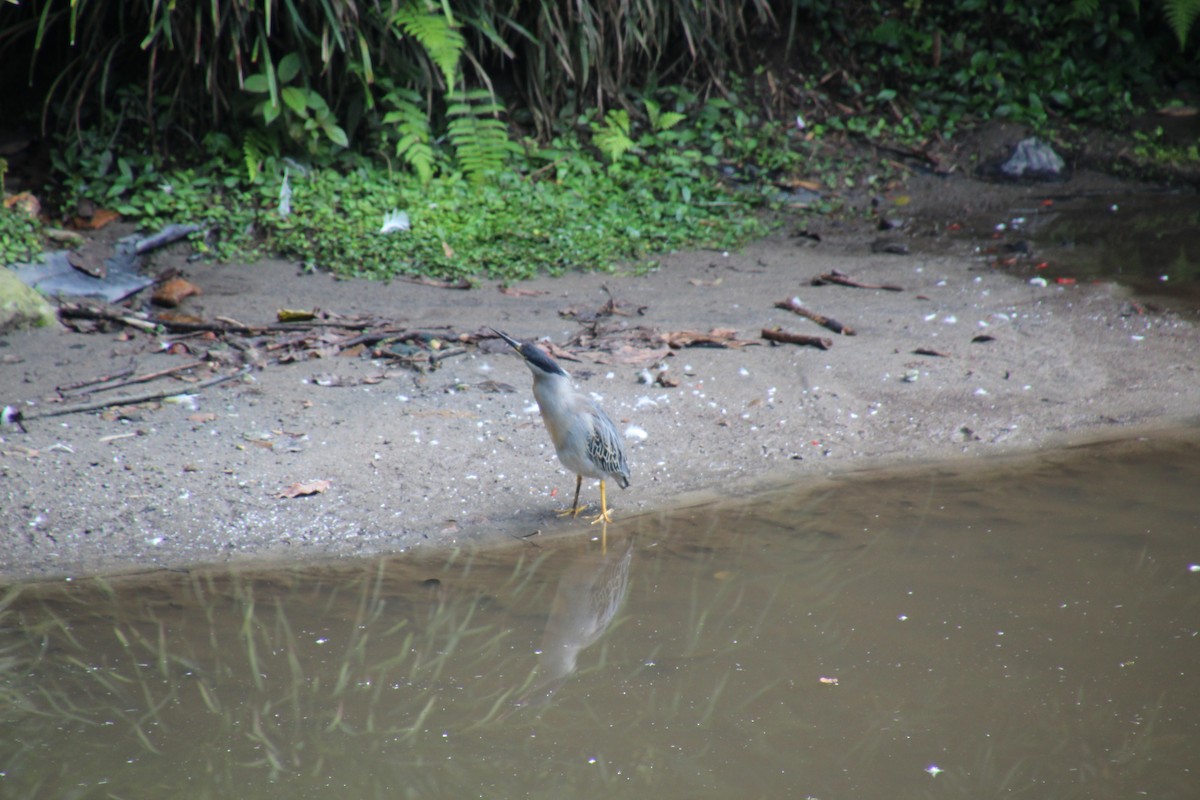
{"points": [[571, 512], [603, 516]]}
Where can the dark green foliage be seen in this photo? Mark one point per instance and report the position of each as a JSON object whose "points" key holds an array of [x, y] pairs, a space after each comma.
{"points": [[20, 237], [198, 108], [947, 63], [545, 208], [479, 137], [1181, 14]]}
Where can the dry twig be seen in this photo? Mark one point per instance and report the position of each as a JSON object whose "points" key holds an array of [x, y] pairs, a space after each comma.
{"points": [[794, 306], [131, 401], [843, 279], [780, 335]]}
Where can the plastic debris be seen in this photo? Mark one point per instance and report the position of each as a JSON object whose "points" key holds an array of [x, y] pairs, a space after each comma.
{"points": [[285, 196], [395, 221], [1033, 159], [56, 275]]}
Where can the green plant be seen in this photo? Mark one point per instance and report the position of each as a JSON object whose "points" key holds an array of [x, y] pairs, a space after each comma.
{"points": [[410, 117], [614, 136], [304, 114], [1180, 14], [478, 135], [20, 237]]}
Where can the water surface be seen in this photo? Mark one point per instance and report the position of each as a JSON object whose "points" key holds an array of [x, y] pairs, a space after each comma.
{"points": [[1019, 629]]}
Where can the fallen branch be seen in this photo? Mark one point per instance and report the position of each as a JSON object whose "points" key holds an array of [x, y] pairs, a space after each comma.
{"points": [[442, 355], [787, 337], [169, 234], [843, 279], [793, 305], [146, 323], [138, 321], [95, 387], [132, 401], [72, 387]]}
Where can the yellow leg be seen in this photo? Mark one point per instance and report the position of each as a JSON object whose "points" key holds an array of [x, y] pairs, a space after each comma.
{"points": [[575, 508], [604, 515]]}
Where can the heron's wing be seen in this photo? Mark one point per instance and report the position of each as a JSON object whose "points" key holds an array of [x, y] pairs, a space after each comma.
{"points": [[605, 448]]}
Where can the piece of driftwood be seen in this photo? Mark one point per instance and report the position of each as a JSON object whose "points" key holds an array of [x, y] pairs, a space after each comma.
{"points": [[792, 304], [144, 322], [842, 279], [788, 337]]}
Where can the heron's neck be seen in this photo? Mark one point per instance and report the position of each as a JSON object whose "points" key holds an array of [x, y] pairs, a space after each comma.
{"points": [[553, 391]]}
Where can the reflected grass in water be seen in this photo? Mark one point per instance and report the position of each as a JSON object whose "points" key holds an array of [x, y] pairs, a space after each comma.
{"points": [[1025, 629]]}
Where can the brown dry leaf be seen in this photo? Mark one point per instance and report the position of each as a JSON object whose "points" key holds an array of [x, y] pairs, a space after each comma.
{"points": [[812, 186], [629, 355], [447, 249], [512, 291], [698, 282], [461, 283], [295, 315], [172, 292], [303, 489], [102, 217], [666, 381], [557, 352], [717, 337], [24, 203], [202, 417], [176, 316]]}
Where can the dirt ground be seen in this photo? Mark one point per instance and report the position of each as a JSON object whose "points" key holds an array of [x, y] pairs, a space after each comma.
{"points": [[449, 456]]}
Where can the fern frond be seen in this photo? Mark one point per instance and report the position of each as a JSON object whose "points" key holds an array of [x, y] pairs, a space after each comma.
{"points": [[1181, 15], [612, 138], [436, 32], [415, 145], [478, 135], [659, 120]]}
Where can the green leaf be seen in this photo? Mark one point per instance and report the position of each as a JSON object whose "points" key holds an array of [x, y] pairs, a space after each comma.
{"points": [[296, 99], [289, 67], [257, 83], [336, 135]]}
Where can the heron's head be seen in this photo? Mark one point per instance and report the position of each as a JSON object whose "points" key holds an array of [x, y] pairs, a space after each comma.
{"points": [[539, 360]]}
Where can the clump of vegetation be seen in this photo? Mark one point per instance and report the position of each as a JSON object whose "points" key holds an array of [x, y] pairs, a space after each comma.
{"points": [[20, 237], [573, 202], [527, 137]]}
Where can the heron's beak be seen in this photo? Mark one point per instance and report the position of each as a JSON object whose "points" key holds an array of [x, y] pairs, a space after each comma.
{"points": [[511, 341]]}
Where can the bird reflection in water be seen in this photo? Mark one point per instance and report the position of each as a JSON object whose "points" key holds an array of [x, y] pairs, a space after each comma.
{"points": [[590, 592]]}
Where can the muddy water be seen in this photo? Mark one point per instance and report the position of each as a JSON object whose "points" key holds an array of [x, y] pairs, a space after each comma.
{"points": [[1030, 629], [1149, 242]]}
